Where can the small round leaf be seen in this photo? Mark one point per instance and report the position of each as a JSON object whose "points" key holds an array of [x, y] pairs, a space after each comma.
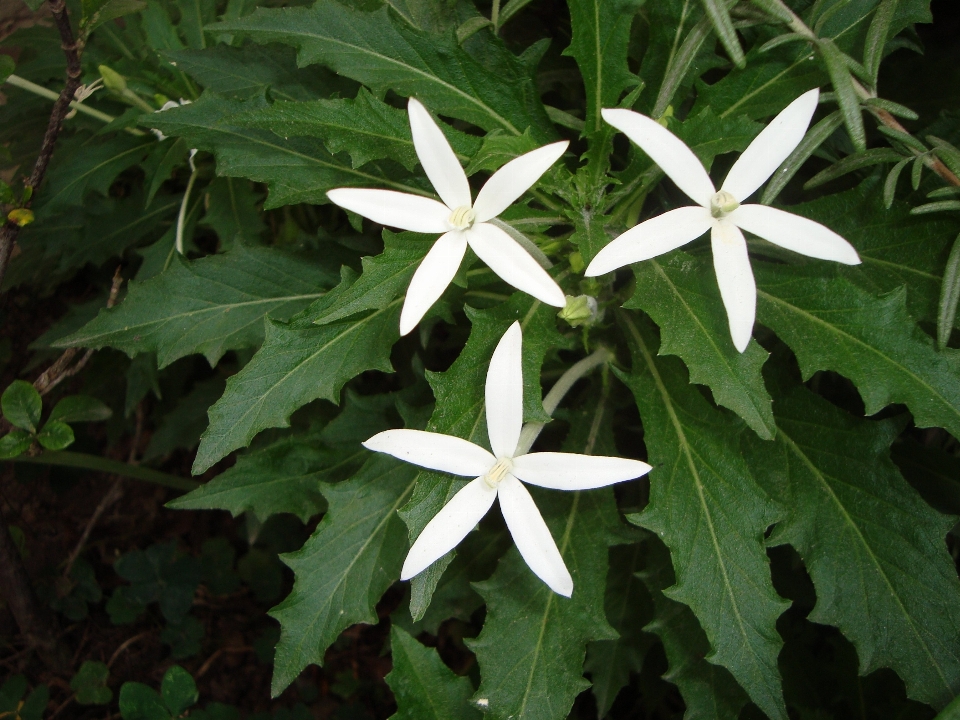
{"points": [[55, 435], [22, 405], [178, 689]]}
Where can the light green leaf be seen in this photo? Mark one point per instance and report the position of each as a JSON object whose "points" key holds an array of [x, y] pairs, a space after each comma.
{"points": [[708, 509], [366, 128], [208, 306], [385, 53], [833, 325], [297, 363], [425, 688], [628, 609], [719, 14], [352, 557], [874, 549], [55, 435], [709, 691], [80, 408], [680, 293], [601, 36], [283, 477], [22, 405], [384, 277], [295, 170]]}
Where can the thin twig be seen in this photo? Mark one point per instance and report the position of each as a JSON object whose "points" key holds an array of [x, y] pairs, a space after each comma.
{"points": [[10, 229], [62, 706], [127, 643]]}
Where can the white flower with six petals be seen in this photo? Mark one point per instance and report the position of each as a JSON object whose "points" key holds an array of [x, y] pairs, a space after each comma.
{"points": [[721, 212], [462, 221], [498, 474]]}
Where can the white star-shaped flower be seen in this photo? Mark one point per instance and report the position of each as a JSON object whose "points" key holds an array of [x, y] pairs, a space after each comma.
{"points": [[462, 221], [499, 475], [721, 212]]}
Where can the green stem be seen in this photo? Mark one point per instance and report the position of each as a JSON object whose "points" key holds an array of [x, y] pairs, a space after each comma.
{"points": [[531, 430], [43, 92], [182, 217], [112, 467], [495, 16]]}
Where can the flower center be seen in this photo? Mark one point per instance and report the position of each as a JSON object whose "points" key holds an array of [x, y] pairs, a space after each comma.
{"points": [[462, 218], [498, 472], [723, 203]]}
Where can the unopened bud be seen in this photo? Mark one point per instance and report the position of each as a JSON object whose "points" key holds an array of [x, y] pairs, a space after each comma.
{"points": [[113, 80], [20, 216], [579, 310]]}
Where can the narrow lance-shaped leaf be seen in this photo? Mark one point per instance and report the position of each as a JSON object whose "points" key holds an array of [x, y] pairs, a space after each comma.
{"points": [[707, 508], [352, 557], [875, 551], [833, 325], [207, 306], [843, 86], [298, 362], [385, 53], [425, 688], [949, 296], [681, 295]]}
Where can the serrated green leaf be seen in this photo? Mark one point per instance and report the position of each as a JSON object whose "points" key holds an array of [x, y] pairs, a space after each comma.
{"points": [[295, 170], [232, 212], [681, 295], [366, 128], [79, 408], [283, 477], [708, 509], [382, 52], [207, 306], [833, 325], [96, 12], [425, 688], [297, 364], [599, 44], [384, 277], [55, 435], [628, 609], [709, 692], [352, 557], [874, 549], [459, 392], [22, 405]]}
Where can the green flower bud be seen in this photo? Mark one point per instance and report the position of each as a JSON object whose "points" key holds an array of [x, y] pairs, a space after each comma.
{"points": [[113, 80], [580, 310]]}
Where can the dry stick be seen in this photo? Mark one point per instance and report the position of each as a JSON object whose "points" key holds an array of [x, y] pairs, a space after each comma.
{"points": [[126, 643], [10, 230]]}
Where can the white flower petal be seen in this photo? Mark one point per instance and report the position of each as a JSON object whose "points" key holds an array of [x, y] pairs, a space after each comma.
{"points": [[533, 537], [794, 233], [735, 278], [653, 237], [504, 393], [569, 471], [514, 179], [432, 277], [449, 526], [666, 150], [513, 264], [771, 147], [437, 158], [396, 209], [433, 450]]}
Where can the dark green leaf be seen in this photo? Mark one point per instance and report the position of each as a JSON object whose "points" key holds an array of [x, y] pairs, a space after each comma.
{"points": [[949, 296], [183, 426], [354, 555], [55, 435], [857, 161], [208, 306], [231, 210], [14, 443], [7, 66], [90, 684], [295, 170], [425, 688], [157, 574], [216, 564], [297, 364], [178, 690], [708, 509], [80, 408], [681, 295], [382, 52], [832, 324], [139, 702], [874, 549], [22, 405], [96, 12], [719, 15], [184, 637], [709, 691], [814, 138], [843, 86]]}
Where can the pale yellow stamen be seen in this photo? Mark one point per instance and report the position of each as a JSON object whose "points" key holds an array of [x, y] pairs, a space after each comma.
{"points": [[498, 472], [723, 203], [462, 218]]}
